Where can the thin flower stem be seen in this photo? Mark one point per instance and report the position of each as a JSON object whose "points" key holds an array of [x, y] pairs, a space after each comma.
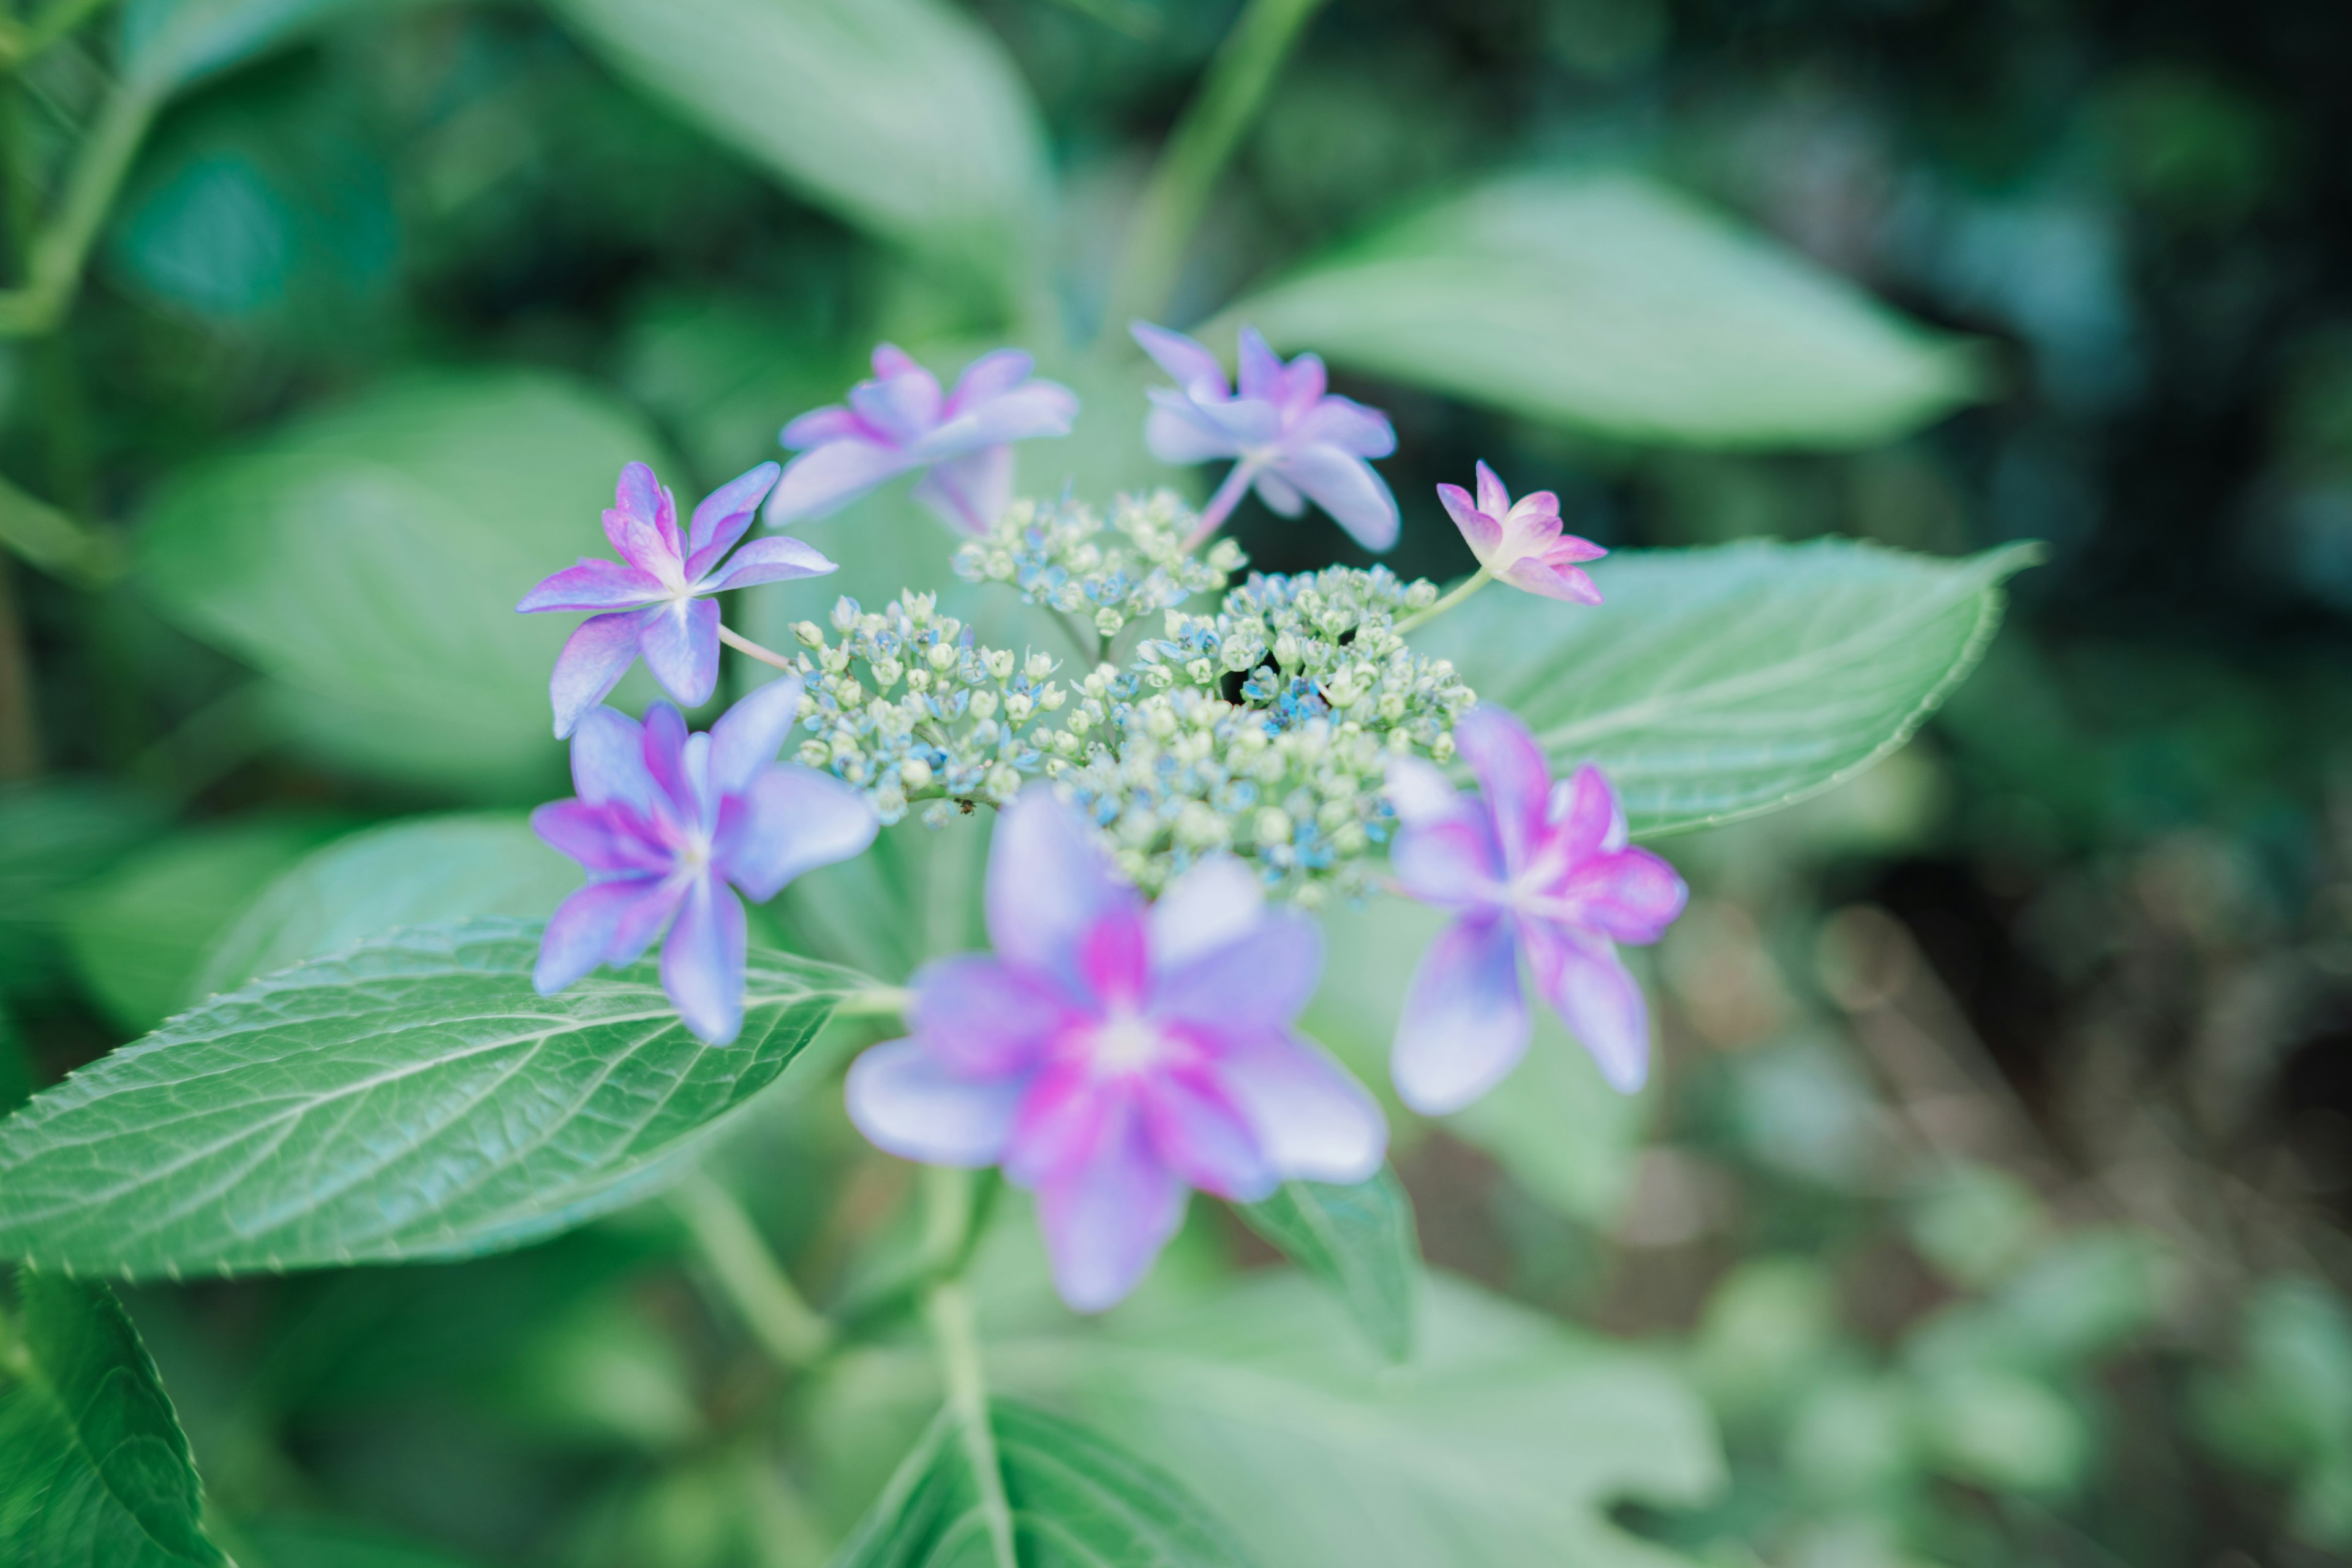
{"points": [[948, 1309], [53, 266], [1477, 580], [742, 643], [1199, 149], [882, 1002], [20, 41], [791, 1332], [1221, 505]]}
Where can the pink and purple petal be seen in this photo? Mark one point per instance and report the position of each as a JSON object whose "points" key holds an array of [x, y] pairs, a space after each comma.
{"points": [[663, 745], [1192, 365], [608, 760], [1493, 498], [821, 426], [1480, 531], [1281, 497], [1631, 895], [737, 498], [1201, 1136], [596, 655], [1176, 432], [1260, 370], [600, 837], [747, 737], [903, 406], [1041, 408], [1265, 979], [1214, 904], [971, 492], [582, 932], [593, 584], [1106, 1220], [1589, 986], [825, 478], [1450, 860], [991, 376], [1048, 882], [1565, 584], [1464, 1023], [1513, 774], [1343, 423], [1345, 486], [985, 1020], [702, 962], [779, 558], [1312, 1119], [907, 1103], [793, 820], [679, 641]]}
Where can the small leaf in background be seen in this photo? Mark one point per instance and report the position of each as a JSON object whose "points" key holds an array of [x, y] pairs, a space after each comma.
{"points": [[1562, 1133], [318, 1543], [368, 560], [2005, 1432], [1503, 1441], [55, 837], [903, 117], [1720, 683], [1767, 1332], [1612, 303], [1358, 1240], [1077, 1501], [410, 1098], [93, 1468], [453, 866], [139, 934], [169, 44], [1975, 1223]]}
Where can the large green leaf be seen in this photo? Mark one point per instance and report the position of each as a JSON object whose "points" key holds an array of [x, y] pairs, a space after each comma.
{"points": [[55, 839], [1610, 302], [1501, 1445], [1077, 1501], [409, 1098], [370, 558], [1358, 1240], [140, 934], [169, 44], [94, 1472], [458, 866], [905, 117], [1720, 683]]}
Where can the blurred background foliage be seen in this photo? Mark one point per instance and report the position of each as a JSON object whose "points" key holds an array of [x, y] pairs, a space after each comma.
{"points": [[1994, 1194]]}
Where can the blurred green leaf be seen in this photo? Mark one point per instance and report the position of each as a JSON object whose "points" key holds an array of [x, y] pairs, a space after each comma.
{"points": [[16, 1084], [93, 1468], [2294, 1390], [2087, 1294], [410, 1098], [599, 1372], [55, 837], [1975, 1222], [1721, 683], [1360, 1241], [2004, 1431], [1767, 1332], [1078, 1501], [1610, 302], [318, 1544], [904, 117], [460, 866], [370, 558], [139, 934], [1566, 1136], [1501, 1445], [169, 43], [1853, 1438]]}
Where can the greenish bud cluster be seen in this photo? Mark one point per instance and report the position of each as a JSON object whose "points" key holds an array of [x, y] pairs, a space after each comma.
{"points": [[1057, 556], [906, 706], [1265, 730]]}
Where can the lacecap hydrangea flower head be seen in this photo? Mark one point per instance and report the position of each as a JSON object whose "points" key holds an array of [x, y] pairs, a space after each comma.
{"points": [[1220, 760]]}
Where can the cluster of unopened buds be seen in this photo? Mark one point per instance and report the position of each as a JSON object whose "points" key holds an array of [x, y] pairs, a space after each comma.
{"points": [[1176, 788]]}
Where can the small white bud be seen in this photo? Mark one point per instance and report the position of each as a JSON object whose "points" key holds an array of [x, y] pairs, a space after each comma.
{"points": [[1107, 622], [983, 706], [1273, 827], [1018, 705], [1286, 651], [1000, 663], [810, 633], [914, 774], [1037, 665], [1051, 698], [1003, 781], [942, 656], [845, 613]]}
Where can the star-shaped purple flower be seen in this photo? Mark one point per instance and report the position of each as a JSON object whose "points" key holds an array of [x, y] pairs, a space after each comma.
{"points": [[669, 825], [1292, 440], [656, 596], [1110, 1054], [900, 421], [1527, 867], [1526, 545]]}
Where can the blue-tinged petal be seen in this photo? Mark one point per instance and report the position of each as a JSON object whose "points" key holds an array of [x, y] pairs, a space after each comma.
{"points": [[592, 584], [583, 932], [1107, 1219], [1595, 996], [1191, 365], [596, 655], [738, 498], [747, 737], [663, 749], [825, 478], [1201, 1136], [1345, 486], [1513, 774], [1048, 882], [1176, 432], [1450, 860], [909, 1105], [820, 425], [985, 1020], [1216, 903], [602, 839], [680, 642], [1312, 1119], [793, 819], [971, 492], [779, 558], [1464, 1024], [608, 760], [1041, 408], [702, 962], [992, 374], [1261, 980], [904, 405], [1260, 368]]}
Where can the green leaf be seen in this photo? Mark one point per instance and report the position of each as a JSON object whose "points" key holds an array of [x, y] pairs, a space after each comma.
{"points": [[16, 1067], [318, 1543], [1610, 302], [369, 559], [93, 1467], [1359, 1240], [1563, 1133], [1078, 1501], [904, 117], [410, 1098], [458, 866], [169, 44], [140, 934], [54, 839], [1720, 683], [1501, 1445]]}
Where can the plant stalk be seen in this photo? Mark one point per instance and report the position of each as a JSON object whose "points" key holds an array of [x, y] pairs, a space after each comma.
{"points": [[955, 1335], [791, 1332], [1477, 581], [1198, 150], [1221, 505], [744, 645]]}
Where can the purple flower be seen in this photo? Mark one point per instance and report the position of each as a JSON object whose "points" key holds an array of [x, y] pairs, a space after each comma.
{"points": [[657, 593], [664, 821], [898, 422], [1526, 867], [1109, 1054], [1292, 440], [1524, 544]]}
